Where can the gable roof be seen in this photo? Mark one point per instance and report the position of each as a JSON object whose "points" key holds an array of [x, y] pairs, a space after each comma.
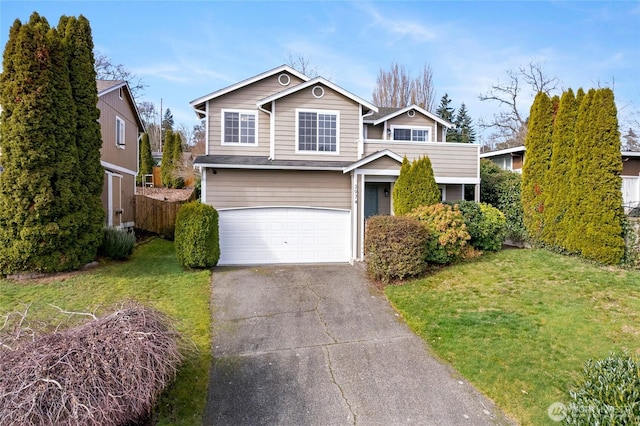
{"points": [[512, 150], [371, 158], [318, 80], [201, 100], [394, 112], [108, 86]]}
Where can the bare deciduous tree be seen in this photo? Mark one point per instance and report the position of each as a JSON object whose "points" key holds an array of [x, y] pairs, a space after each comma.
{"points": [[299, 62], [396, 88], [107, 70], [510, 125]]}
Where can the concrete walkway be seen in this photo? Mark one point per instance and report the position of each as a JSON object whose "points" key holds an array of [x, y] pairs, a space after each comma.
{"points": [[319, 345]]}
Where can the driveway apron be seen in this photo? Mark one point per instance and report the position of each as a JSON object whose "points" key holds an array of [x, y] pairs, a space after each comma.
{"points": [[319, 345]]}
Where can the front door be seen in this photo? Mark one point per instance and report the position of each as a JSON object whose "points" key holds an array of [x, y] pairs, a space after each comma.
{"points": [[370, 200]]}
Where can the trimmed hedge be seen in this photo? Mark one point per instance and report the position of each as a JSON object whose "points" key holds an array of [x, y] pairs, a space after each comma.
{"points": [[395, 247], [196, 236], [486, 225], [608, 392], [117, 244], [447, 232]]}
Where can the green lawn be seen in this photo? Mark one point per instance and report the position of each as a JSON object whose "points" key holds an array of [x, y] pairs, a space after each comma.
{"points": [[519, 324], [152, 276]]}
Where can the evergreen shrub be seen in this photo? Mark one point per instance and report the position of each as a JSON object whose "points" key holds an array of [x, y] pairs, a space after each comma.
{"points": [[416, 186], [607, 393], [197, 241], [486, 225], [117, 244], [447, 232], [395, 247]]}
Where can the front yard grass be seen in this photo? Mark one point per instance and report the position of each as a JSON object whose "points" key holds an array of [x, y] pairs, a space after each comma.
{"points": [[519, 324], [153, 277]]}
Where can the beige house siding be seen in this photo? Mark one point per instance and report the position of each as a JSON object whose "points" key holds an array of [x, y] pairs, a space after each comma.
{"points": [[384, 163], [374, 132], [447, 159], [254, 188], [111, 106], [245, 98], [285, 132]]}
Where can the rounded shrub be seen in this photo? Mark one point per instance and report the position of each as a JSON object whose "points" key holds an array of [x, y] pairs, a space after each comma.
{"points": [[608, 392], [117, 243], [447, 232], [395, 247], [486, 225], [196, 236]]}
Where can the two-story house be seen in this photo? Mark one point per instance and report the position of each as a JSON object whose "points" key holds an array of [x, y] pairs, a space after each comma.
{"points": [[121, 128], [295, 165]]}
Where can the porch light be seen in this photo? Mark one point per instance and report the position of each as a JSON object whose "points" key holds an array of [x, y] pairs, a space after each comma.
{"points": [[386, 192], [388, 133]]}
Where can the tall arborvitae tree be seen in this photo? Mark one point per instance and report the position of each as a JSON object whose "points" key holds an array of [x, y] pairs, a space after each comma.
{"points": [[146, 158], [39, 225], [602, 212], [401, 189], [78, 41], [176, 157], [166, 168], [464, 131], [557, 197], [534, 171], [416, 186]]}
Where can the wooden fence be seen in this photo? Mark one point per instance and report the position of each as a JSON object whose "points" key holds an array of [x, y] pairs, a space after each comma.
{"points": [[158, 216]]}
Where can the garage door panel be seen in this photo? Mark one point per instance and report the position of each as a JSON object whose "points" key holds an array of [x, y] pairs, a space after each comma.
{"points": [[284, 235]]}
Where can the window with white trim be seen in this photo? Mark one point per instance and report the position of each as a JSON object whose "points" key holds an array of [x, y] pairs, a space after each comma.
{"points": [[239, 127], [412, 134], [120, 141], [318, 131]]}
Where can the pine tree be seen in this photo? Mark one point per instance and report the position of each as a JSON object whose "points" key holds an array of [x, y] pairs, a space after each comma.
{"points": [[602, 212], [146, 158], [166, 168], [534, 171], [445, 111], [39, 226], [78, 41], [558, 198], [465, 133]]}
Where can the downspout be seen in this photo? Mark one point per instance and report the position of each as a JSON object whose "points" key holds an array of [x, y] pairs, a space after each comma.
{"points": [[272, 129]]}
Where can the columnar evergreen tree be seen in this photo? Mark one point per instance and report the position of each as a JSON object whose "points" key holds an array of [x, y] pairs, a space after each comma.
{"points": [[602, 214], [534, 170], [39, 223], [416, 186], [166, 168], [558, 200], [176, 157], [78, 41], [146, 159]]}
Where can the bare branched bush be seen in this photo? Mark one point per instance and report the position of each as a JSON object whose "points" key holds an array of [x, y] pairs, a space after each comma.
{"points": [[109, 371]]}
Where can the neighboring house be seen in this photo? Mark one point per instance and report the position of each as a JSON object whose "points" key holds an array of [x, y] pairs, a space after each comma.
{"points": [[295, 165], [513, 159], [121, 128]]}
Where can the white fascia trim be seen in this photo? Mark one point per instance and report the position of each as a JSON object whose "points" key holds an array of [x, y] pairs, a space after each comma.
{"points": [[253, 112], [503, 151], [249, 167], [117, 168], [373, 157], [630, 154], [247, 82], [417, 108], [457, 181], [318, 80]]}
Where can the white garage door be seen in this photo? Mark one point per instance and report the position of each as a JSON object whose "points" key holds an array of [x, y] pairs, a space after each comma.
{"points": [[283, 235]]}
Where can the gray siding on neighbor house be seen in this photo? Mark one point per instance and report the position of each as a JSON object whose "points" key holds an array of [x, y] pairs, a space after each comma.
{"points": [[254, 188], [455, 160], [245, 98], [285, 132]]}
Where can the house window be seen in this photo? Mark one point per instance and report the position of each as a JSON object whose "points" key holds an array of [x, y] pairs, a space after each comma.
{"points": [[318, 131], [120, 142], [239, 127], [413, 134], [120, 93]]}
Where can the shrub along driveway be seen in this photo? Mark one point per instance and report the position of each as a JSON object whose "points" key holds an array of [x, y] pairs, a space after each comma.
{"points": [[320, 345]]}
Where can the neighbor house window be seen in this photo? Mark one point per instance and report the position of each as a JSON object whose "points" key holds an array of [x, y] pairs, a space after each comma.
{"points": [[413, 134], [318, 131], [239, 127], [120, 142]]}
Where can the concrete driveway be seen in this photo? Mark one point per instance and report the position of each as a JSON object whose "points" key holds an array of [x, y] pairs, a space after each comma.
{"points": [[319, 345]]}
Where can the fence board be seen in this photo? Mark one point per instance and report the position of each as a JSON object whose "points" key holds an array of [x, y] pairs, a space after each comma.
{"points": [[157, 216]]}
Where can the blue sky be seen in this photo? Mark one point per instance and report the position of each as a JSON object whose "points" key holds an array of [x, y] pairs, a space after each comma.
{"points": [[186, 49]]}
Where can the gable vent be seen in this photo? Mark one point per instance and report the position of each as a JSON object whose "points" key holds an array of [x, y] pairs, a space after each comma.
{"points": [[284, 79]]}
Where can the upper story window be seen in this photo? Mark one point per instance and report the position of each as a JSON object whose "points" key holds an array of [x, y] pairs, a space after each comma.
{"points": [[120, 141], [413, 134], [317, 131], [239, 127]]}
